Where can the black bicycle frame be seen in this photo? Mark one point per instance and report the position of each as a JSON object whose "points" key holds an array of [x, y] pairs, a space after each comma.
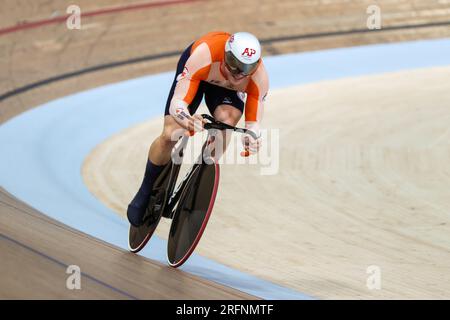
{"points": [[174, 195]]}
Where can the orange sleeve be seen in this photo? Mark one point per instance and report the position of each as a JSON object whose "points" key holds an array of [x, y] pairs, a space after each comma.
{"points": [[257, 89], [251, 108], [196, 69], [194, 83]]}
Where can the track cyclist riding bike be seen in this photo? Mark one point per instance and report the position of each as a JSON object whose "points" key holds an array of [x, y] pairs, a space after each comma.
{"points": [[226, 69]]}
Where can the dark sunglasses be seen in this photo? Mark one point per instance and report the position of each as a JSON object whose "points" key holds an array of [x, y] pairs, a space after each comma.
{"points": [[236, 67]]}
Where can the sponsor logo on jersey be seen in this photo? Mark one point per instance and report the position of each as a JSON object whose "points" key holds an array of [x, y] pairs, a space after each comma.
{"points": [[242, 95], [180, 111], [227, 100], [183, 75]]}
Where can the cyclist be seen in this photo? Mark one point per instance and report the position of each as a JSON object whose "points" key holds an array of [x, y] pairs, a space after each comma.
{"points": [[226, 69]]}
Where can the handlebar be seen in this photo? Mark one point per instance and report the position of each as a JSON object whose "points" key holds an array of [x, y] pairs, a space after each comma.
{"points": [[215, 124]]}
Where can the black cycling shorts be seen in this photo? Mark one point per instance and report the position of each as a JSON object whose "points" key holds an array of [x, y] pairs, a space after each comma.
{"points": [[214, 95]]}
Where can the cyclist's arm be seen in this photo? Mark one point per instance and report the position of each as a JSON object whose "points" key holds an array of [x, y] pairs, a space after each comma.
{"points": [[196, 69], [256, 95]]}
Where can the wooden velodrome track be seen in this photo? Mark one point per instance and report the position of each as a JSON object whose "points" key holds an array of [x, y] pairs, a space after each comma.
{"points": [[146, 40]]}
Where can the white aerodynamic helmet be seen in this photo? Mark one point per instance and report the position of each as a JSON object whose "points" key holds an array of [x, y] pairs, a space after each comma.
{"points": [[242, 53]]}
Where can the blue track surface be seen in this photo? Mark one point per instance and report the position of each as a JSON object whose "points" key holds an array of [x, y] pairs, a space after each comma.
{"points": [[42, 150]]}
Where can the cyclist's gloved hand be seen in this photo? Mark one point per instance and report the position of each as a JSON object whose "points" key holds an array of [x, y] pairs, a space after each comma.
{"points": [[196, 123], [181, 114], [251, 144]]}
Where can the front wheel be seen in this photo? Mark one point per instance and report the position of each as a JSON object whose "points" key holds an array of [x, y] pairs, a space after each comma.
{"points": [[192, 213]]}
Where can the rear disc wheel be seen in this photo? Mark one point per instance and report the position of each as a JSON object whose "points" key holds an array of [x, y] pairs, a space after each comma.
{"points": [[192, 213]]}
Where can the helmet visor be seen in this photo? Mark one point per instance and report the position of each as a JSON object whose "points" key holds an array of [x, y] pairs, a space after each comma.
{"points": [[237, 67]]}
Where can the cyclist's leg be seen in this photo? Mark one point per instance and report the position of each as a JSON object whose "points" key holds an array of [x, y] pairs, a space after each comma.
{"points": [[160, 151], [230, 115], [161, 147], [227, 114], [226, 106], [158, 157]]}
